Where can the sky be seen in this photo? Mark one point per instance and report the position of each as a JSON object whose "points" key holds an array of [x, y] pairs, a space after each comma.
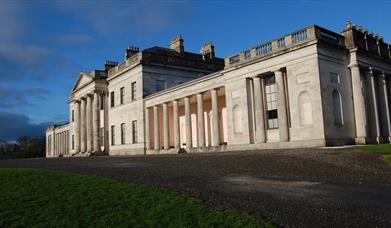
{"points": [[45, 44]]}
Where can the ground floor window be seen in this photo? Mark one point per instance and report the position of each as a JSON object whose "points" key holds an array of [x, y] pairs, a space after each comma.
{"points": [[134, 131], [271, 102], [123, 133], [102, 136], [73, 142], [112, 135]]}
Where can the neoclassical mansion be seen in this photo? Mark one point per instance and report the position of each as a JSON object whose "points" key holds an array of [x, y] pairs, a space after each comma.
{"points": [[309, 88]]}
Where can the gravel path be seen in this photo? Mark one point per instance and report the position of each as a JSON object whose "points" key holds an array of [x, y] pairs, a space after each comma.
{"points": [[291, 188]]}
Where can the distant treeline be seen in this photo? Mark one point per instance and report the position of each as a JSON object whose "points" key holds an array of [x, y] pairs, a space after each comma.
{"points": [[24, 147]]}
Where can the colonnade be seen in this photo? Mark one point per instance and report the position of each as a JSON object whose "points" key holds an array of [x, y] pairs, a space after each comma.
{"points": [[60, 144], [371, 97], [215, 128], [87, 123]]}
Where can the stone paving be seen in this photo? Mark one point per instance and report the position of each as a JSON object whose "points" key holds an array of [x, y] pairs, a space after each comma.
{"points": [[291, 188]]}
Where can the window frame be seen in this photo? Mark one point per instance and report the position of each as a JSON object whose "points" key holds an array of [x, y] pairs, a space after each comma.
{"points": [[134, 131], [121, 95], [112, 99], [271, 101], [123, 133], [112, 128], [133, 90]]}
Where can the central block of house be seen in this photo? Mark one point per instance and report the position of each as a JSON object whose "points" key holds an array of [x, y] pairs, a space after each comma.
{"points": [[309, 88]]}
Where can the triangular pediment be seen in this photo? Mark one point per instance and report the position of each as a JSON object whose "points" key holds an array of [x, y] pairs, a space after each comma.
{"points": [[82, 80]]}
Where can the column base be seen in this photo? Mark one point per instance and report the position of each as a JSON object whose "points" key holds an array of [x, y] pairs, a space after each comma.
{"points": [[373, 140], [97, 153], [360, 141]]}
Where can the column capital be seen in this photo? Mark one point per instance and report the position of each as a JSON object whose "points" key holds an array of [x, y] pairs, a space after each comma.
{"points": [[353, 65], [257, 77], [278, 70]]}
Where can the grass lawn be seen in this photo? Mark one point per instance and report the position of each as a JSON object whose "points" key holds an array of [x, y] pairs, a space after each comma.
{"points": [[30, 197], [384, 149]]}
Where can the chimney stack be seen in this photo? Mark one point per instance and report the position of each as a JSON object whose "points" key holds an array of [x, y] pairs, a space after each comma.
{"points": [[130, 51], [109, 65], [207, 51], [177, 44], [348, 24]]}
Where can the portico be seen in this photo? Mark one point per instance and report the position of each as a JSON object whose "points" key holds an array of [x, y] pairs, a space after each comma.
{"points": [[191, 122]]}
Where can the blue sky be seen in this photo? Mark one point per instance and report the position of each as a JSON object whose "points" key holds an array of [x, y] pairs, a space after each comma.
{"points": [[44, 44]]}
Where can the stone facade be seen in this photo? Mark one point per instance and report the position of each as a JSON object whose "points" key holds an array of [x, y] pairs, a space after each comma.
{"points": [[309, 88]]}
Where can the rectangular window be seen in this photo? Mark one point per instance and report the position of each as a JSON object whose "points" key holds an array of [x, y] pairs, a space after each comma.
{"points": [[134, 131], [112, 135], [160, 85], [102, 102], [73, 115], [122, 133], [122, 95], [102, 136], [73, 142], [271, 102], [133, 91], [112, 99]]}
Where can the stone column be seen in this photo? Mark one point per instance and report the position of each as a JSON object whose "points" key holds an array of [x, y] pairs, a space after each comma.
{"points": [[96, 122], [89, 123], [358, 102], [156, 127], [166, 145], [67, 143], [176, 125], [373, 114], [215, 118], [52, 145], [384, 107], [77, 126], [83, 125], [282, 110], [200, 120], [147, 130], [59, 143], [189, 142], [260, 134]]}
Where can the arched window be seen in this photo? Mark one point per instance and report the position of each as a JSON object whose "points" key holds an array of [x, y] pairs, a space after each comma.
{"points": [[337, 108], [305, 109], [237, 118]]}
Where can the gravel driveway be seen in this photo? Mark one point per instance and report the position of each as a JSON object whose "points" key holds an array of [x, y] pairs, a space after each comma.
{"points": [[291, 188]]}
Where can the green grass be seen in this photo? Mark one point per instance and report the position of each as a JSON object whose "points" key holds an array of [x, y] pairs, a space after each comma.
{"points": [[387, 159], [384, 149], [30, 197]]}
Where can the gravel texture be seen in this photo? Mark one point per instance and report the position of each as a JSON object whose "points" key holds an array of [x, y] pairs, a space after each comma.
{"points": [[291, 188]]}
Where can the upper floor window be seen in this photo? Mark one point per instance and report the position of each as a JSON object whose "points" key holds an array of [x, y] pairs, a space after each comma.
{"points": [[271, 102], [112, 99], [73, 115], [160, 85], [122, 95], [133, 97], [102, 102]]}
